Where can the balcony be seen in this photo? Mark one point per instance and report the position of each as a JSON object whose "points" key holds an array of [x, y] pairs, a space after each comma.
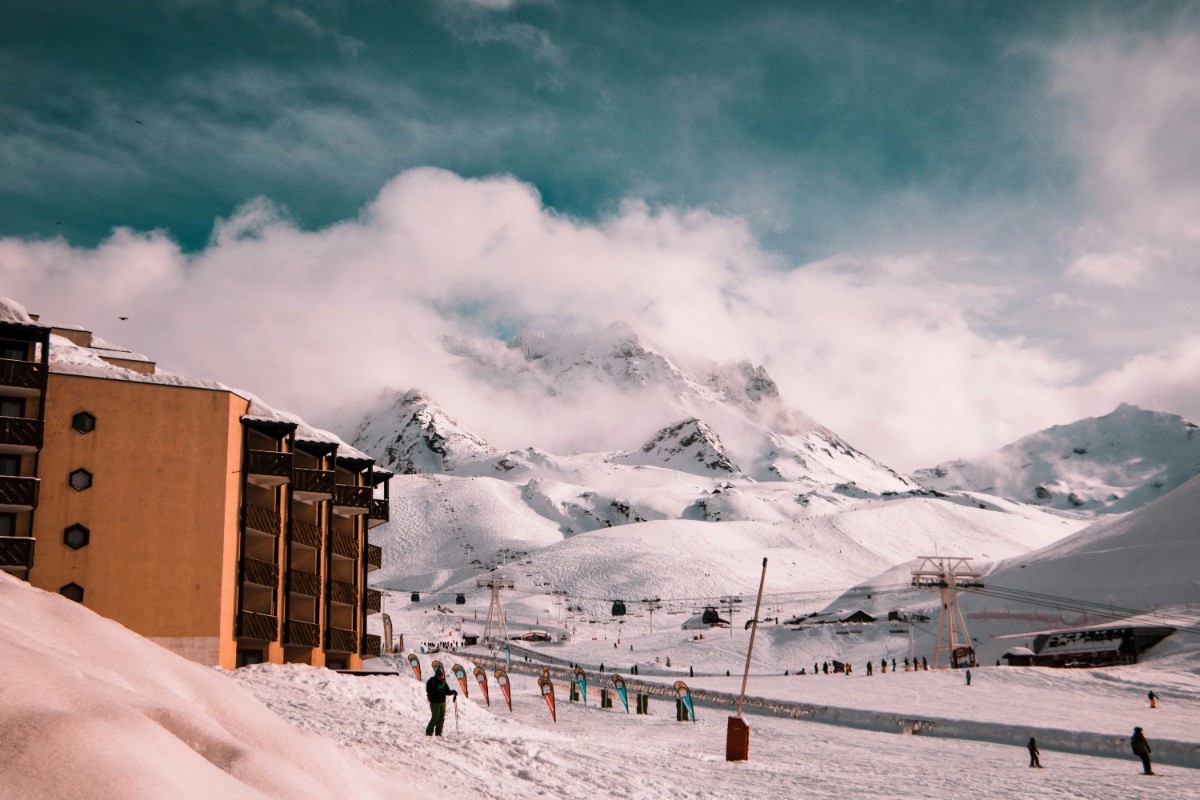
{"points": [[257, 626], [16, 553], [379, 513], [20, 435], [262, 573], [372, 645], [18, 494], [268, 468], [311, 485], [374, 601], [349, 501], [304, 583], [260, 519], [306, 533], [341, 640], [374, 557], [302, 634], [345, 545], [22, 378], [344, 593]]}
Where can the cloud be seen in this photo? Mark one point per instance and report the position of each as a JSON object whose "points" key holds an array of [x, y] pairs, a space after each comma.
{"points": [[860, 343]]}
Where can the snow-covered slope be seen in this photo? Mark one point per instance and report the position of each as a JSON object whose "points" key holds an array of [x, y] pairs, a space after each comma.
{"points": [[688, 446], [91, 709], [1107, 464]]}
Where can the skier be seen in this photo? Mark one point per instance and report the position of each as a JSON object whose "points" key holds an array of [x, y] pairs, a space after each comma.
{"points": [[1034, 756], [893, 665], [870, 671], [968, 677], [1141, 748], [883, 665], [437, 691], [1153, 698]]}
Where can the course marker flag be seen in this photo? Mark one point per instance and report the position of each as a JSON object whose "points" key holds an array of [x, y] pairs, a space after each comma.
{"points": [[547, 688], [502, 679], [481, 676]]}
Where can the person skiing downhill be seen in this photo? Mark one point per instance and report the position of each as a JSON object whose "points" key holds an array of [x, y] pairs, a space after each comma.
{"points": [[1141, 749], [1153, 698], [437, 691]]}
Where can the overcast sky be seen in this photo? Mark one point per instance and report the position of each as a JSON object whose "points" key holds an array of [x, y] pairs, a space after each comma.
{"points": [[940, 226]]}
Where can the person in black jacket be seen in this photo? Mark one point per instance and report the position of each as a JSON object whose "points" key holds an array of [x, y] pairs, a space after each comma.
{"points": [[1141, 749], [1035, 759], [437, 690]]}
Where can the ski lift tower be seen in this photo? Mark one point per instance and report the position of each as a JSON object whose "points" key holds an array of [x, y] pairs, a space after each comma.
{"points": [[495, 619], [949, 575]]}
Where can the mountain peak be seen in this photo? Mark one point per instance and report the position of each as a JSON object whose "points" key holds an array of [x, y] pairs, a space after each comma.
{"points": [[416, 435], [1106, 464], [688, 446]]}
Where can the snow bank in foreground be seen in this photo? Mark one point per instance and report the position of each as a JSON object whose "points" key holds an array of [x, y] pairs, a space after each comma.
{"points": [[90, 709]]}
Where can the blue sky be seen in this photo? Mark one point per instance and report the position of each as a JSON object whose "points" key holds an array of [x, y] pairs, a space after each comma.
{"points": [[1008, 188]]}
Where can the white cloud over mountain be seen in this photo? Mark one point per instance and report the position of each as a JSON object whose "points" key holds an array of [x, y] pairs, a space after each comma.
{"points": [[893, 352]]}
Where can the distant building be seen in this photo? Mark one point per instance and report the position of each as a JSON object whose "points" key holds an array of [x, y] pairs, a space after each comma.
{"points": [[1096, 646], [186, 511]]}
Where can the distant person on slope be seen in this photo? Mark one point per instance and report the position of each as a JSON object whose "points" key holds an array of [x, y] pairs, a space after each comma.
{"points": [[437, 691], [1034, 755], [1141, 748], [1153, 698]]}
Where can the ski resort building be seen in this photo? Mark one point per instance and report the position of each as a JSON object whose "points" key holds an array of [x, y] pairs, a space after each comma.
{"points": [[185, 510]]}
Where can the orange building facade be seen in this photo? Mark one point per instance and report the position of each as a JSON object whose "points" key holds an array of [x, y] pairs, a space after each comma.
{"points": [[222, 530]]}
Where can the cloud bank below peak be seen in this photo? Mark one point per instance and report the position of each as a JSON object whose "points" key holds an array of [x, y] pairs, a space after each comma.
{"points": [[899, 353]]}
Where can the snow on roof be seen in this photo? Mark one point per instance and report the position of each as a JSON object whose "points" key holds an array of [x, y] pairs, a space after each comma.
{"points": [[68, 358], [14, 313]]}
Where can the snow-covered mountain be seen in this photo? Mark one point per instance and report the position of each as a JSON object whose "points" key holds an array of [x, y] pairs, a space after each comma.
{"points": [[1107, 464], [715, 419]]}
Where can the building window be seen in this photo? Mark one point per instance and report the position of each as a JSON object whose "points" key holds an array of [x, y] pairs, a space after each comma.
{"points": [[76, 536], [18, 351], [10, 465], [81, 480], [8, 524], [12, 407], [83, 422], [72, 591]]}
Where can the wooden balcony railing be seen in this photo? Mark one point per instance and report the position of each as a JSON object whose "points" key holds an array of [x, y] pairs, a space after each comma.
{"points": [[16, 553], [374, 557], [263, 573], [344, 593], [379, 513], [306, 533], [304, 583], [302, 634], [341, 640], [18, 493], [257, 626], [372, 645], [313, 481], [21, 432], [29, 375], [356, 498], [269, 462], [345, 545], [374, 601], [263, 520]]}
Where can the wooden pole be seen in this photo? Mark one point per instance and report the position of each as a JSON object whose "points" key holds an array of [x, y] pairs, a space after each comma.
{"points": [[753, 630]]}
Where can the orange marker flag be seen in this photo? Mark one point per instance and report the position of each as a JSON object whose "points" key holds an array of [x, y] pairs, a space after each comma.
{"points": [[502, 679], [547, 688], [481, 676]]}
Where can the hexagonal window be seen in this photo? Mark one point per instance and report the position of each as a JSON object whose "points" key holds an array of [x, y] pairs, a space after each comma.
{"points": [[83, 422], [77, 536], [72, 591], [80, 480]]}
